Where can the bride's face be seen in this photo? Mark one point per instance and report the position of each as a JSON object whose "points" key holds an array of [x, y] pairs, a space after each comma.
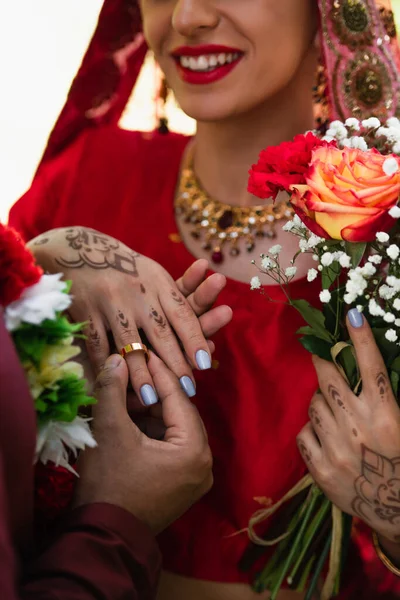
{"points": [[226, 57]]}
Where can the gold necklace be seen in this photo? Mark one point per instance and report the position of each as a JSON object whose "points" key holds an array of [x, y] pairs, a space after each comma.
{"points": [[218, 224]]}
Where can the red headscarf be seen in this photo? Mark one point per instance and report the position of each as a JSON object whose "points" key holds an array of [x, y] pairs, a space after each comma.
{"points": [[358, 75]]}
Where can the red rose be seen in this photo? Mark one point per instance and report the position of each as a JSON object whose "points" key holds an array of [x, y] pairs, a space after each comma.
{"points": [[17, 266], [281, 166]]}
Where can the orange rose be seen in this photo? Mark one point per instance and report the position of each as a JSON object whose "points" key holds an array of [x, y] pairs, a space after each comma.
{"points": [[347, 195]]}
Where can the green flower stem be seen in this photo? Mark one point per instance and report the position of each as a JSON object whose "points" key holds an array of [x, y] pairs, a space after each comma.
{"points": [[296, 543], [305, 575], [309, 535], [318, 569]]}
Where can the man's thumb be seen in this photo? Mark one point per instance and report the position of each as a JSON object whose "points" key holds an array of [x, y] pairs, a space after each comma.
{"points": [[110, 390]]}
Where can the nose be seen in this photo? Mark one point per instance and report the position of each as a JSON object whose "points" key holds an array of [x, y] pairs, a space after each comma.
{"points": [[193, 16]]}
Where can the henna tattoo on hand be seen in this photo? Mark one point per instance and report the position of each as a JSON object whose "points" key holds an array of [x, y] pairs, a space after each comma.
{"points": [[98, 251], [177, 298], [142, 288], [159, 319], [354, 432], [305, 452], [314, 416], [122, 320], [378, 488], [382, 383], [93, 334], [335, 395]]}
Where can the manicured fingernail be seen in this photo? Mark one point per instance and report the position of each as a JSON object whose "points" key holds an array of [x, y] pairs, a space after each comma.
{"points": [[355, 317], [188, 386], [113, 361], [203, 360], [149, 395]]}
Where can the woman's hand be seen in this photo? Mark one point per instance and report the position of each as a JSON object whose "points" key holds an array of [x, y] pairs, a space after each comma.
{"points": [[119, 291], [352, 443]]}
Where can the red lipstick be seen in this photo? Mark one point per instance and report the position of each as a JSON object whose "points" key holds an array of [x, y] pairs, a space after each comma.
{"points": [[214, 72]]}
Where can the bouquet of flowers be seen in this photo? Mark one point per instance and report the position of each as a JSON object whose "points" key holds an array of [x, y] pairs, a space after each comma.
{"points": [[344, 188], [33, 306]]}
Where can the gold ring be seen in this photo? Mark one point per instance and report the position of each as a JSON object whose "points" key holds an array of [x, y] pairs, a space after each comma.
{"points": [[135, 347]]}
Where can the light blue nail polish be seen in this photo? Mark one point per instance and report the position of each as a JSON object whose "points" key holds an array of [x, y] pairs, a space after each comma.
{"points": [[149, 395], [355, 317], [188, 386], [203, 360]]}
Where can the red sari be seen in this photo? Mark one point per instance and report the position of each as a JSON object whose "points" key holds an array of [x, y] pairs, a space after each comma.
{"points": [[255, 399]]}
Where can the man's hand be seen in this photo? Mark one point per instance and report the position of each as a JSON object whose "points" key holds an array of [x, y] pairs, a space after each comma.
{"points": [[157, 481]]}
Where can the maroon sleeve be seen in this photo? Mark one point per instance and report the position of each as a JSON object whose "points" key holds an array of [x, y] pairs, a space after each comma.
{"points": [[101, 553]]}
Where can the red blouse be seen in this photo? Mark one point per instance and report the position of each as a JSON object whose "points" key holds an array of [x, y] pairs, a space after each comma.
{"points": [[255, 400]]}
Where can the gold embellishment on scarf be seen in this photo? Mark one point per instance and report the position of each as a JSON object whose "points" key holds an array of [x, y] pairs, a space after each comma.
{"points": [[388, 21], [220, 225], [367, 86], [352, 23]]}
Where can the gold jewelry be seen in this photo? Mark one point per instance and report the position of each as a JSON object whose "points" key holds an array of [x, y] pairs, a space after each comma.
{"points": [[135, 347], [382, 556], [219, 224]]}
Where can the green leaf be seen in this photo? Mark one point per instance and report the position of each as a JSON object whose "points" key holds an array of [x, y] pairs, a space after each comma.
{"points": [[307, 330], [317, 346], [395, 366], [330, 274], [314, 317], [356, 251]]}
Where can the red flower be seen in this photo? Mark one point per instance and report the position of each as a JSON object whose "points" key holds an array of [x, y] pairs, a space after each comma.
{"points": [[281, 166], [17, 266], [54, 489]]}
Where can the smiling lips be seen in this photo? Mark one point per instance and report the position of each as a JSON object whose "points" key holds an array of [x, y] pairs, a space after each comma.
{"points": [[201, 65]]}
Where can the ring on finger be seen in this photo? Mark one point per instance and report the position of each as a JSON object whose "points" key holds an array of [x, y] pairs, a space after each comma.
{"points": [[135, 347]]}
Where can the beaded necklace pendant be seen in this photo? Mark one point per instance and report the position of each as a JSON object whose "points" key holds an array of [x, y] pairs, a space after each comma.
{"points": [[219, 226]]}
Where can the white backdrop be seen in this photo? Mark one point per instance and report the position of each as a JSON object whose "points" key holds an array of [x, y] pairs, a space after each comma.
{"points": [[41, 46]]}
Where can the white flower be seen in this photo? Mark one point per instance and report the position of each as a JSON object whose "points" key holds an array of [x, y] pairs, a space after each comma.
{"points": [[328, 138], [255, 283], [382, 237], [390, 166], [391, 335], [54, 439], [312, 274], [396, 304], [275, 250], [393, 251], [394, 212], [397, 322], [393, 122], [374, 309], [349, 298], [38, 302], [368, 270], [337, 130], [394, 282], [390, 133], [375, 259], [288, 226], [360, 308], [327, 259], [386, 292], [325, 296], [352, 123], [267, 263], [315, 257], [389, 317], [396, 148], [291, 271], [314, 240], [298, 223], [345, 261], [358, 142], [372, 122]]}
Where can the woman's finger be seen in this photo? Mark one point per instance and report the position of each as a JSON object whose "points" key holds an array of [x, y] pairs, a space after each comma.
{"points": [[97, 345], [335, 390], [163, 339], [187, 327], [125, 332], [323, 421], [309, 447], [193, 277], [375, 380], [202, 299], [216, 318]]}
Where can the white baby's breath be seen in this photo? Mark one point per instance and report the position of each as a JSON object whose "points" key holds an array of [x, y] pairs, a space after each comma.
{"points": [[352, 123], [288, 226], [327, 259], [358, 142], [290, 271], [374, 309], [325, 296], [275, 250], [394, 212], [396, 304], [267, 263], [375, 259], [386, 292], [393, 251], [390, 166], [389, 317], [382, 237], [391, 335], [255, 283], [397, 322], [371, 123], [312, 274], [393, 122], [345, 261]]}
